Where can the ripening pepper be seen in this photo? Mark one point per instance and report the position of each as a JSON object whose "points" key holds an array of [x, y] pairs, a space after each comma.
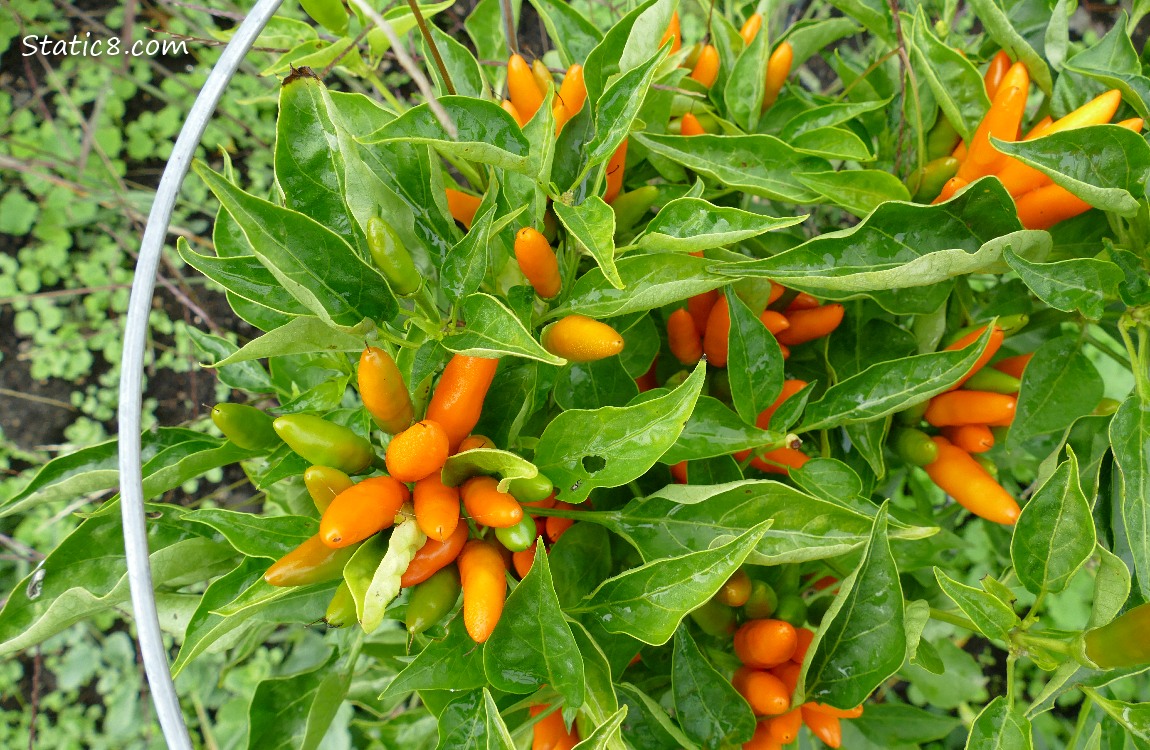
{"points": [[1123, 642], [311, 562], [325, 443], [383, 391], [431, 600], [246, 426]]}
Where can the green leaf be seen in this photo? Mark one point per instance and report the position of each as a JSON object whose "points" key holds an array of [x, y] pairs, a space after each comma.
{"points": [[832, 143], [580, 561], [493, 331], [592, 225], [955, 82], [896, 724], [1059, 385], [888, 387], [460, 63], [644, 36], [989, 614], [1055, 535], [246, 376], [710, 710], [809, 36], [573, 35], [904, 254], [608, 447], [999, 28], [649, 281], [715, 430], [590, 385], [616, 108], [1000, 726], [761, 165], [862, 641], [532, 645], [466, 262], [834, 482], [243, 276], [648, 727], [600, 701], [485, 27], [462, 466], [303, 335], [805, 527], [313, 263], [87, 573], [1081, 284], [1130, 439], [1115, 63], [295, 712], [687, 225], [1111, 588], [309, 164], [473, 721], [755, 361], [743, 90], [485, 133], [859, 191], [450, 663], [874, 14], [606, 734], [829, 115], [256, 535], [1104, 165], [648, 602]]}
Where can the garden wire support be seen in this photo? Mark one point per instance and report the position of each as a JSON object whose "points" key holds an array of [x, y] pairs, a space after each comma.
{"points": [[131, 367]]}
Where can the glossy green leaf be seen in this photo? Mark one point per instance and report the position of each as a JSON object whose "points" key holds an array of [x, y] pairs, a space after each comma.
{"points": [[1130, 440], [507, 465], [592, 225], [647, 726], [460, 63], [648, 602], [874, 14], [293, 712], [256, 535], [761, 165], [892, 724], [244, 276], [473, 721], [688, 225], [590, 385], [862, 641], [606, 734], [804, 527], [743, 89], [955, 82], [829, 115], [755, 361], [450, 663], [492, 330], [303, 335], [616, 108], [709, 708], [485, 27], [809, 36], [1059, 385], [888, 387], [1081, 284], [1111, 588], [245, 376], [1114, 62], [832, 143], [466, 262], [649, 281], [832, 481], [318, 267], [1055, 535], [859, 191], [1104, 165], [485, 133], [532, 645], [990, 615], [608, 447], [644, 37], [1000, 726], [998, 27], [572, 34]]}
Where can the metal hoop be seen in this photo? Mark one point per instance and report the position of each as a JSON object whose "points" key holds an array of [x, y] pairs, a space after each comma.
{"points": [[131, 373]]}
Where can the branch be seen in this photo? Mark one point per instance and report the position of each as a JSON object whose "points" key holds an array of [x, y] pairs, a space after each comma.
{"points": [[432, 46]]}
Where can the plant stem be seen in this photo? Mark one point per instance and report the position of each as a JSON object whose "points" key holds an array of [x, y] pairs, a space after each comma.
{"points": [[447, 84]]}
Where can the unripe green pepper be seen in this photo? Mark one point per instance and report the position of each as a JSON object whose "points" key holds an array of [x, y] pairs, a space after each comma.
{"points": [[817, 610], [762, 602], [341, 609], [912, 415], [323, 483], [632, 206], [246, 426], [914, 446], [325, 443], [391, 256], [790, 576], [793, 609], [715, 618], [327, 13], [942, 138], [926, 182], [518, 537], [532, 490], [991, 380], [431, 600], [986, 463], [1124, 642]]}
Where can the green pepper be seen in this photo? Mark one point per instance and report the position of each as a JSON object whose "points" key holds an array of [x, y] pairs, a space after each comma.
{"points": [[986, 463], [311, 562], [912, 415], [942, 138], [246, 426], [762, 602], [431, 600], [341, 609], [817, 610], [325, 443], [391, 256], [327, 13], [991, 380], [914, 446], [789, 578], [632, 206], [518, 537], [1124, 642], [925, 183], [323, 483], [531, 490], [793, 609], [715, 618], [1106, 407]]}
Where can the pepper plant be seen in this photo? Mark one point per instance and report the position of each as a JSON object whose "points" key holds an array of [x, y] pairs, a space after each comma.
{"points": [[711, 377]]}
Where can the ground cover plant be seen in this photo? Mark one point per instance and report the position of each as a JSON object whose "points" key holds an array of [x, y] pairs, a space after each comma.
{"points": [[729, 376]]}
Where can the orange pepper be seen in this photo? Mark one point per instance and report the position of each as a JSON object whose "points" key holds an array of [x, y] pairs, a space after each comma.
{"points": [[972, 438], [683, 338], [1002, 121], [778, 68], [964, 479], [707, 68], [433, 556], [522, 88], [436, 507], [462, 206], [715, 340], [1013, 366], [790, 388], [488, 506], [751, 28], [614, 174], [458, 398], [361, 510], [417, 452], [672, 34], [538, 262], [995, 72], [996, 337], [969, 407], [484, 579], [823, 726], [949, 188], [690, 125], [808, 325]]}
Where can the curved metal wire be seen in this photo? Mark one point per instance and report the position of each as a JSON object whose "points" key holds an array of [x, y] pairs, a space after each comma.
{"points": [[131, 373]]}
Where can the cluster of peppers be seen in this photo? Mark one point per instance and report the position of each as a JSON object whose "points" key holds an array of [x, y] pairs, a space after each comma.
{"points": [[1040, 203], [763, 608]]}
